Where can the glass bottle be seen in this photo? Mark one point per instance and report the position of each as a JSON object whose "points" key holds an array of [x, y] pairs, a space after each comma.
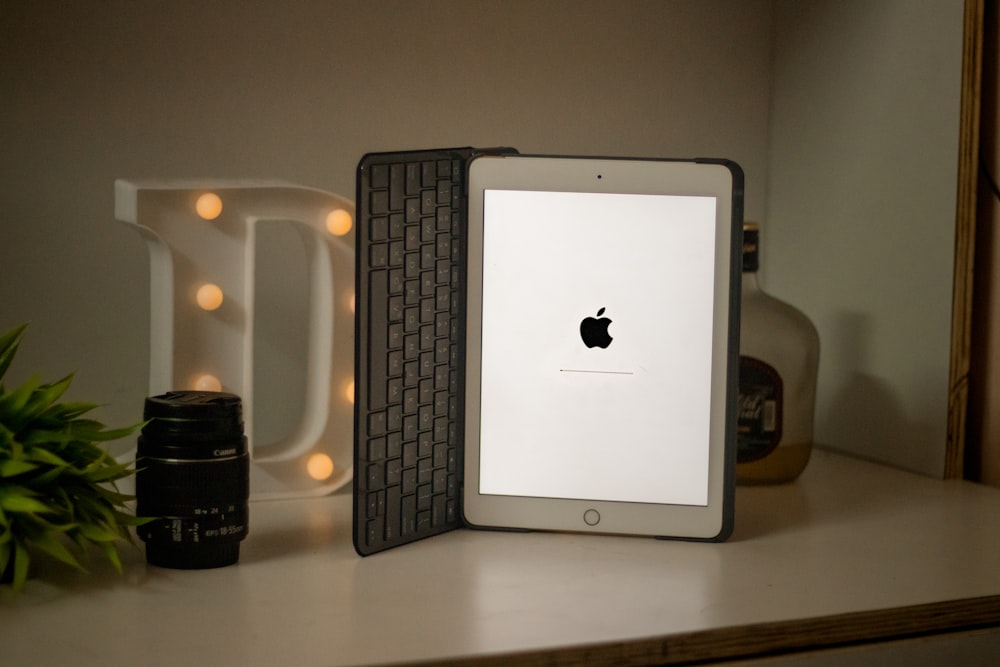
{"points": [[779, 360]]}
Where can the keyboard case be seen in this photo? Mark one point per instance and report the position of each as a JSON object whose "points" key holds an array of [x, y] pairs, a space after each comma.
{"points": [[409, 344]]}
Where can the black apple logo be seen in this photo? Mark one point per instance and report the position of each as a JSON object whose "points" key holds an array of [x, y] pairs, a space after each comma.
{"points": [[595, 331]]}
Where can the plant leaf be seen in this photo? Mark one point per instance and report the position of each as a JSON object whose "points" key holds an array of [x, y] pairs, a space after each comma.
{"points": [[19, 499], [42, 398], [12, 403], [114, 497], [6, 438], [45, 456], [8, 347], [90, 430], [112, 554], [106, 472], [21, 561], [130, 520], [63, 412], [96, 533], [48, 543], [15, 467]]}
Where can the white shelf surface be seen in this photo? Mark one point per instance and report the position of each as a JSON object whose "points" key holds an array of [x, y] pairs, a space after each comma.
{"points": [[851, 551]]}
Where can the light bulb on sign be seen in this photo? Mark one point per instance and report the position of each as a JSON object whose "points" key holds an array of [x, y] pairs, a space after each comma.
{"points": [[209, 297], [319, 466], [206, 382], [208, 206], [339, 222]]}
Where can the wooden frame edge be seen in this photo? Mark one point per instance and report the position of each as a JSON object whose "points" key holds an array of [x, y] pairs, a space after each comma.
{"points": [[965, 234]]}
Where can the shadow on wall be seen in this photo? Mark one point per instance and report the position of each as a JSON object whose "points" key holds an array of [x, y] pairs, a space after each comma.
{"points": [[865, 415]]}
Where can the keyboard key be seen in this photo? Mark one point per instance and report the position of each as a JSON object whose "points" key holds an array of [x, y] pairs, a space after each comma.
{"points": [[393, 471], [408, 515], [443, 219], [444, 246], [394, 390], [428, 171], [374, 532], [393, 500], [412, 178], [396, 254], [394, 418], [376, 476], [376, 423], [380, 202], [379, 255], [394, 363], [379, 175], [443, 193], [376, 449], [438, 505], [379, 229], [395, 337], [396, 225], [409, 484], [393, 445], [397, 187], [428, 202], [424, 497], [440, 483], [396, 281]]}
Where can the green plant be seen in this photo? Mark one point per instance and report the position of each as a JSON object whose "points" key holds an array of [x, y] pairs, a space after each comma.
{"points": [[58, 492]]}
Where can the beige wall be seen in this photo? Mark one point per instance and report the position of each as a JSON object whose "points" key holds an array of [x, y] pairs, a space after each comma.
{"points": [[860, 229], [93, 91], [848, 140]]}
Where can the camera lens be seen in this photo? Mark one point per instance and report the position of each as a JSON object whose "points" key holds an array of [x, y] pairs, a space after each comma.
{"points": [[194, 477]]}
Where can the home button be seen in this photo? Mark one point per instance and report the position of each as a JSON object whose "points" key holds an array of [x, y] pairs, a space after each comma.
{"points": [[591, 517]]}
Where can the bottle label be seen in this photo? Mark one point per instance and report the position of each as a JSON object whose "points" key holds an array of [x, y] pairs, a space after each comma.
{"points": [[759, 410]]}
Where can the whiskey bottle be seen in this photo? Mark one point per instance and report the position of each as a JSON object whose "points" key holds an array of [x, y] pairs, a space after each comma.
{"points": [[779, 359]]}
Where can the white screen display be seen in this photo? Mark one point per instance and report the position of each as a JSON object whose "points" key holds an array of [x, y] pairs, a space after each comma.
{"points": [[561, 419]]}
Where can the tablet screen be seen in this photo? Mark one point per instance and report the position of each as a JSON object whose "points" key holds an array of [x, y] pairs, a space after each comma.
{"points": [[596, 345]]}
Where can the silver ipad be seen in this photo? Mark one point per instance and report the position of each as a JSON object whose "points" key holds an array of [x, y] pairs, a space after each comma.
{"points": [[602, 339]]}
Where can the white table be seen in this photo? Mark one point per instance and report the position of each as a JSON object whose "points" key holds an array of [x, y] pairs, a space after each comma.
{"points": [[852, 552]]}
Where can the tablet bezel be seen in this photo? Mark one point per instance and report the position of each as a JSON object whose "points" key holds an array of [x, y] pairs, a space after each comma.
{"points": [[721, 179]]}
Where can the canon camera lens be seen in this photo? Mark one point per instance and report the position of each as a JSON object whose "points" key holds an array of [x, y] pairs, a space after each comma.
{"points": [[194, 478]]}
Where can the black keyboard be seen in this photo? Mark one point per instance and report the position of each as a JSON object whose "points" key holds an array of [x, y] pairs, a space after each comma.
{"points": [[409, 346]]}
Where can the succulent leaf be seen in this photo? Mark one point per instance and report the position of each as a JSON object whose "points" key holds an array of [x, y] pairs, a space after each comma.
{"points": [[111, 553], [14, 467], [8, 347], [12, 404], [48, 543], [19, 499], [21, 560]]}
